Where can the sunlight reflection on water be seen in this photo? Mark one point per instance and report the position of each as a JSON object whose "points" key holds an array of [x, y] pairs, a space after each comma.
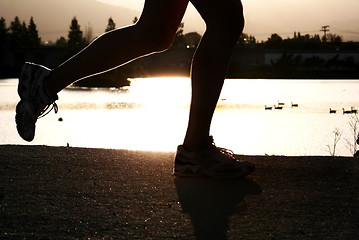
{"points": [[152, 114]]}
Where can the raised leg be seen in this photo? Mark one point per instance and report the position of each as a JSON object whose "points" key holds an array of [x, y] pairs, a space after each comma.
{"points": [[154, 32]]}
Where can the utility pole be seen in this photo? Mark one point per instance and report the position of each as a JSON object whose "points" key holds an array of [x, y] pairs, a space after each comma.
{"points": [[325, 29]]}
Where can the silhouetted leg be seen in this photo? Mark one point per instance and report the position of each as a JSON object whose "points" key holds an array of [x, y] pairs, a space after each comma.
{"points": [[154, 32], [224, 22]]}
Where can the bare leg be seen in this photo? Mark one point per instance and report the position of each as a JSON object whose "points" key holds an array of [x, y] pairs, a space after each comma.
{"points": [[154, 32], [224, 21]]}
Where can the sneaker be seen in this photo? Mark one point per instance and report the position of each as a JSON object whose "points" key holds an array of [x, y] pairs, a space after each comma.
{"points": [[211, 161], [35, 102]]}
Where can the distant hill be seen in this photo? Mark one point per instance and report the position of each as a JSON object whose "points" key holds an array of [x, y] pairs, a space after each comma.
{"points": [[53, 18]]}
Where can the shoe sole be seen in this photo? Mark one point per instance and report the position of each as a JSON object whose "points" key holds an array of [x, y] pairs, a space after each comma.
{"points": [[27, 132]]}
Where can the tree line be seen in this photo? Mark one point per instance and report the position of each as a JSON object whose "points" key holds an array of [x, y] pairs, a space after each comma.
{"points": [[22, 35], [308, 42], [19, 34]]}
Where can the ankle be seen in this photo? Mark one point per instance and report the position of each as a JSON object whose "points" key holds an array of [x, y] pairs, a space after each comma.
{"points": [[46, 90], [50, 92], [197, 145]]}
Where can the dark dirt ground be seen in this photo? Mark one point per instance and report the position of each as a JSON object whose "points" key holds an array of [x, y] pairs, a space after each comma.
{"points": [[79, 193]]}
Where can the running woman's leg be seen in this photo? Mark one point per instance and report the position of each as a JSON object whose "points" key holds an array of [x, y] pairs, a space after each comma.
{"points": [[153, 32], [38, 85], [224, 24], [199, 156]]}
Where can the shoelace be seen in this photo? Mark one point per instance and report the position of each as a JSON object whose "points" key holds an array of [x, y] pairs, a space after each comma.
{"points": [[229, 153], [224, 151], [48, 109]]}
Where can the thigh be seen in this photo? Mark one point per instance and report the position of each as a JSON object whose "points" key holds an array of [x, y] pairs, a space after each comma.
{"points": [[220, 12], [163, 15]]}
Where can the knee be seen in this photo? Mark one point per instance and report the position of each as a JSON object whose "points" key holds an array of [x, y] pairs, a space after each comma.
{"points": [[233, 26], [239, 24], [230, 25], [157, 39]]}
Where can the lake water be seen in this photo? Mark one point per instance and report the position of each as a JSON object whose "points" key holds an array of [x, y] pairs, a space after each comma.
{"points": [[152, 114]]}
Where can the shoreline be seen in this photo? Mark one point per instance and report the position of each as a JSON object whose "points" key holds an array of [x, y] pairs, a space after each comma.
{"points": [[77, 193]]}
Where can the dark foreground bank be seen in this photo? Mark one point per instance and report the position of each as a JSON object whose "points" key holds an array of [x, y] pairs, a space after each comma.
{"points": [[56, 193]]}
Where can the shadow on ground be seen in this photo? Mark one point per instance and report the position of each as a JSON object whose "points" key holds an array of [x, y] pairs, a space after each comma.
{"points": [[210, 203]]}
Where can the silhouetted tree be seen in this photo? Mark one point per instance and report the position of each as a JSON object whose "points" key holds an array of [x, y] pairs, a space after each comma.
{"points": [[334, 38], [244, 38], [88, 34], [192, 39], [274, 41], [17, 32], [350, 45], [179, 39], [301, 42], [61, 42], [111, 25], [251, 39], [33, 37], [75, 41], [3, 33], [24, 35]]}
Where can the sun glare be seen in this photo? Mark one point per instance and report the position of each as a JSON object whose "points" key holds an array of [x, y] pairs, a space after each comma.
{"points": [[162, 92], [158, 122]]}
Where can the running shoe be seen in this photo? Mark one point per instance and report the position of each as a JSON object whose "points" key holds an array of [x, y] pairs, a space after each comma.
{"points": [[211, 161], [34, 102]]}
